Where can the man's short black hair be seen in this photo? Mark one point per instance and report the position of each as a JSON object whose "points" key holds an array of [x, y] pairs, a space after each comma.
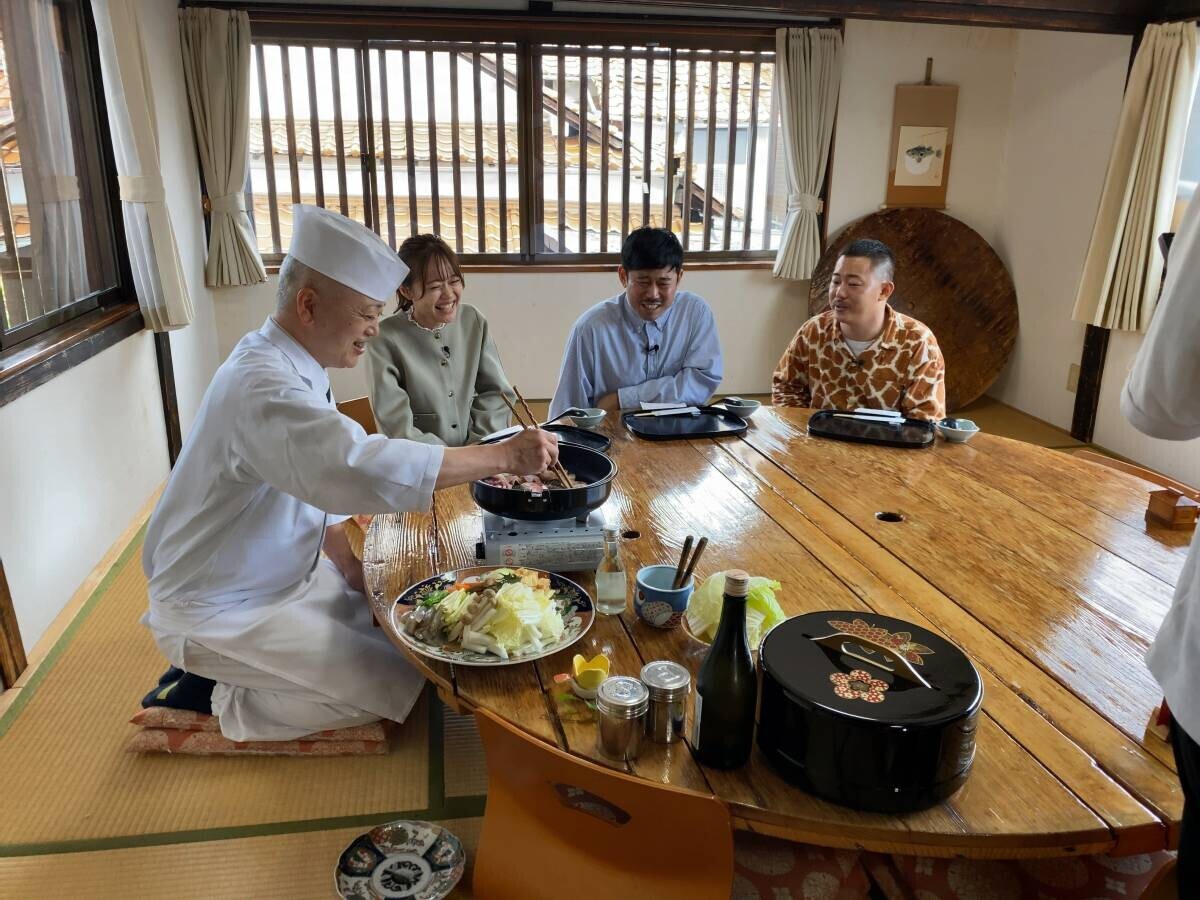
{"points": [[651, 248], [879, 253]]}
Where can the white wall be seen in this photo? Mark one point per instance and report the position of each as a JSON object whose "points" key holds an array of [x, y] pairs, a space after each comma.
{"points": [[1067, 96], [81, 454], [530, 315], [880, 55]]}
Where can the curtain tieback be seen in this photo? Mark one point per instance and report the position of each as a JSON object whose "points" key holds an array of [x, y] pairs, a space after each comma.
{"points": [[226, 203], [810, 202], [142, 188], [59, 188]]}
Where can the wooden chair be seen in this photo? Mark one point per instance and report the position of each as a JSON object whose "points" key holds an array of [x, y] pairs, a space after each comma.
{"points": [[359, 409], [556, 824]]}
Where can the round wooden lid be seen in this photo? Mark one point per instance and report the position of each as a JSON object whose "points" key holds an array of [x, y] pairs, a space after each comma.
{"points": [[947, 277]]}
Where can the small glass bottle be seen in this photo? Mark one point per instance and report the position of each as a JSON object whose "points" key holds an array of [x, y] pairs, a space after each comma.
{"points": [[612, 587]]}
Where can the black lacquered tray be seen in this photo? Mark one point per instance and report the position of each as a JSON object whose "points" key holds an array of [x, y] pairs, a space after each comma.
{"points": [[713, 421], [833, 423], [569, 434]]}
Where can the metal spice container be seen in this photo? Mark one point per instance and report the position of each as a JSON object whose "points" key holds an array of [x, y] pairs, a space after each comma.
{"points": [[668, 684], [621, 702]]}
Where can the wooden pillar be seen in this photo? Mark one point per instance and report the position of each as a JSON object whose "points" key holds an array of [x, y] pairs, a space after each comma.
{"points": [[12, 651]]}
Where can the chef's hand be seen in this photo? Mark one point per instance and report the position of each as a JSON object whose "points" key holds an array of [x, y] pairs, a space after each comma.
{"points": [[530, 452]]}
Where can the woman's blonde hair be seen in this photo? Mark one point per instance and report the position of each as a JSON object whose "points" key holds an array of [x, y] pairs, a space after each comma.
{"points": [[417, 252]]}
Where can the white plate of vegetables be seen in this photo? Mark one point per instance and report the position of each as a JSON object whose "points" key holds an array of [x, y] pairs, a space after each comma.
{"points": [[492, 615]]}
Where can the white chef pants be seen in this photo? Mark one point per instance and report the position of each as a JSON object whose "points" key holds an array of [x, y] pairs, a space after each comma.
{"points": [[265, 707]]}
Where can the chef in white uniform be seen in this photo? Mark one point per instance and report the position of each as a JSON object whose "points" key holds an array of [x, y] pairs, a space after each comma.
{"points": [[1162, 399], [239, 590]]}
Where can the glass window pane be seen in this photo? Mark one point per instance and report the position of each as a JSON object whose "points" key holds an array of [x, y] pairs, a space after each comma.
{"points": [[56, 241]]}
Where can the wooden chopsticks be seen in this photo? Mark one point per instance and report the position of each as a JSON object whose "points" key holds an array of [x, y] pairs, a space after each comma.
{"points": [[557, 467], [685, 568]]}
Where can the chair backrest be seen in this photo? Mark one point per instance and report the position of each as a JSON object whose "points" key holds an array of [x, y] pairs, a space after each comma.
{"points": [[556, 824], [359, 409], [1138, 471]]}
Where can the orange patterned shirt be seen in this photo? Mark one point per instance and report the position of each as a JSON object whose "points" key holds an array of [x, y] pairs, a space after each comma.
{"points": [[903, 370]]}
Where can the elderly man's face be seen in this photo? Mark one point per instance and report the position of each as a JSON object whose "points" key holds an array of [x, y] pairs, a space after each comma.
{"points": [[341, 325], [650, 291], [858, 296]]}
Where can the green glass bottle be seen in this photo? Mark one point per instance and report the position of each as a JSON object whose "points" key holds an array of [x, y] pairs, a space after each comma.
{"points": [[727, 686]]}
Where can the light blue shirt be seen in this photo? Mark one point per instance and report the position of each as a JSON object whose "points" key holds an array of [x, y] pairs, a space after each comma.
{"points": [[611, 348]]}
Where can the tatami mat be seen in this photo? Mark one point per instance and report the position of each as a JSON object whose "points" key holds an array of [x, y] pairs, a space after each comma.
{"points": [[66, 778], [291, 866], [998, 418]]}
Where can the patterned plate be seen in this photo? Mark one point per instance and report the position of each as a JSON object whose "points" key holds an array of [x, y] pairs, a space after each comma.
{"points": [[577, 611], [402, 860]]}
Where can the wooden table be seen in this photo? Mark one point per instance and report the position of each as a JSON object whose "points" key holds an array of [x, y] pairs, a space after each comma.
{"points": [[1041, 567]]}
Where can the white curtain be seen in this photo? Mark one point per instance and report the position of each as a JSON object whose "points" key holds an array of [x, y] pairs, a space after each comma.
{"points": [[43, 125], [808, 72], [1123, 268], [153, 250], [216, 63]]}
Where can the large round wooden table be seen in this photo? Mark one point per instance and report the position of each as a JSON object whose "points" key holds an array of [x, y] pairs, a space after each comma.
{"points": [[1040, 566]]}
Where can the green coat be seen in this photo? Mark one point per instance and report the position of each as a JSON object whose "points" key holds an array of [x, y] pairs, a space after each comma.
{"points": [[438, 387]]}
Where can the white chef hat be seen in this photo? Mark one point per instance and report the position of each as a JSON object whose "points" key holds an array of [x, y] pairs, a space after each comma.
{"points": [[345, 251]]}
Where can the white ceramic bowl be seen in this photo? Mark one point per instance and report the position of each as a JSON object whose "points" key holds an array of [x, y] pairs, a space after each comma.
{"points": [[964, 432], [593, 418], [742, 407]]}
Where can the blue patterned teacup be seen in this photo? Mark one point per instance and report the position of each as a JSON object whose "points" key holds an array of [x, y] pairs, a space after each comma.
{"points": [[656, 602]]}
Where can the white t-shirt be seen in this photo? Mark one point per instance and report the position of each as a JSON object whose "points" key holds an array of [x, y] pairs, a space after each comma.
{"points": [[860, 347], [1162, 399]]}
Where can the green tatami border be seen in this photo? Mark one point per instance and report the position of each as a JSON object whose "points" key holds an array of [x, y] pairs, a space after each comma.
{"points": [[453, 808], [27, 691]]}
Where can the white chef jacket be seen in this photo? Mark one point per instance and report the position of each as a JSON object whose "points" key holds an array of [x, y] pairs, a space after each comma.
{"points": [[1162, 399], [231, 552]]}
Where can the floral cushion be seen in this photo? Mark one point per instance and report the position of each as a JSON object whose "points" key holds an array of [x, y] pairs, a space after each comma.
{"points": [[208, 743], [186, 720], [1062, 878], [767, 868]]}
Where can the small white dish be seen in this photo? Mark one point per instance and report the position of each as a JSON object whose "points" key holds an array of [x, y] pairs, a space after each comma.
{"points": [[593, 418], [740, 407], [584, 693], [963, 430]]}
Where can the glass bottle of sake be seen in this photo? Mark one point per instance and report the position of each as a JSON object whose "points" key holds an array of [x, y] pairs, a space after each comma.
{"points": [[727, 686], [612, 587]]}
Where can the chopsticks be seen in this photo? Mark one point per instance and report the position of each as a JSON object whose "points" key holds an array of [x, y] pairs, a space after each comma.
{"points": [[557, 467], [685, 568]]}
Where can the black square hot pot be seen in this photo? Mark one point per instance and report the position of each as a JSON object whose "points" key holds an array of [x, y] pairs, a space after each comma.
{"points": [[867, 711]]}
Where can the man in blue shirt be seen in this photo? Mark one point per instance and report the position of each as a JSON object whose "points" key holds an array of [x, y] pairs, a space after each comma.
{"points": [[651, 342]]}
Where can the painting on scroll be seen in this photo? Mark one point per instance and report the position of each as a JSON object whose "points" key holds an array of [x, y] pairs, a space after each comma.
{"points": [[922, 140]]}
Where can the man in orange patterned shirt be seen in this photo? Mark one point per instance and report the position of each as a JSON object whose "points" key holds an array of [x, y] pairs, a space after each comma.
{"points": [[860, 352]]}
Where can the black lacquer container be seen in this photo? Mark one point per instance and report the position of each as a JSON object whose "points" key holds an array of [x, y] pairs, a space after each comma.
{"points": [[868, 711]]}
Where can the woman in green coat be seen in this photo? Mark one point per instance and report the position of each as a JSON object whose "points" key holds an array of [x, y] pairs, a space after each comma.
{"points": [[434, 372]]}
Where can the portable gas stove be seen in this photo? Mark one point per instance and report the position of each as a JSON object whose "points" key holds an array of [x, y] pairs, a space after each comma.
{"points": [[568, 545]]}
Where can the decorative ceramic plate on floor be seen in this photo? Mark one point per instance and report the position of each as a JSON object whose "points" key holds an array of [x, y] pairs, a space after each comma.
{"points": [[571, 601], [402, 860]]}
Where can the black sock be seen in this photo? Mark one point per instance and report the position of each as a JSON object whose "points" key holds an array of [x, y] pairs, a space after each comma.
{"points": [[185, 691]]}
